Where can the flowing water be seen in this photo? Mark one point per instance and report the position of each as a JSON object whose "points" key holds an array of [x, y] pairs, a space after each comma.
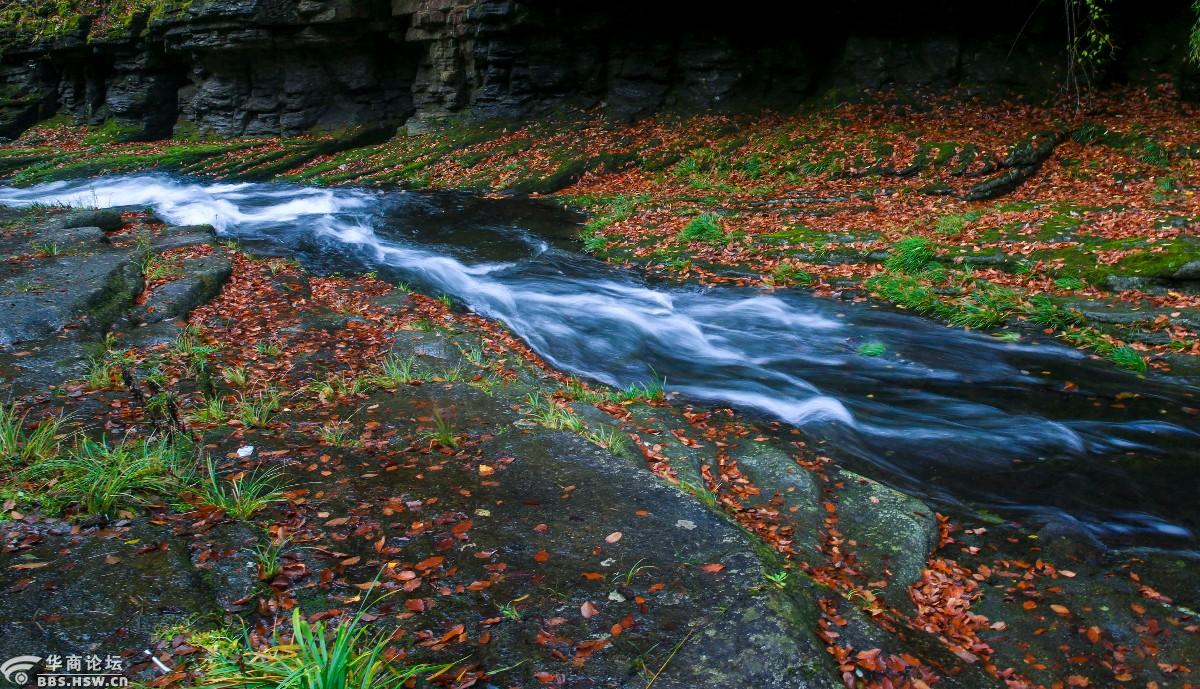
{"points": [[1036, 431]]}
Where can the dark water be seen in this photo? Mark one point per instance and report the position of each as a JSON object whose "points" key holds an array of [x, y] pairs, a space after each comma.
{"points": [[953, 415]]}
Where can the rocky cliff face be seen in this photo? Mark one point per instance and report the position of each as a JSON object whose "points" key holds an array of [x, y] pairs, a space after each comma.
{"points": [[284, 67]]}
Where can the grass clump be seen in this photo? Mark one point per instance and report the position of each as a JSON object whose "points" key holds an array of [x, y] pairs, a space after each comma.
{"points": [[267, 557], [608, 438], [212, 411], [102, 373], [703, 228], [953, 224], [443, 433], [911, 255], [191, 347], [1044, 312], [244, 495], [394, 371], [101, 478], [256, 411], [905, 291], [1069, 283], [25, 447], [789, 274], [235, 376], [1128, 358], [339, 434], [545, 412], [347, 656], [45, 249], [986, 307], [269, 348]]}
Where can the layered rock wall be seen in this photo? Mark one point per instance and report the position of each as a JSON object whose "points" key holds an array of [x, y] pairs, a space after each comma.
{"points": [[285, 67]]}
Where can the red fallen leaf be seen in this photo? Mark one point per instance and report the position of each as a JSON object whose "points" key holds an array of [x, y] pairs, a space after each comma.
{"points": [[1093, 634], [1060, 609], [351, 561], [587, 648], [613, 537], [712, 567], [430, 563], [1029, 605], [20, 585], [588, 610], [546, 677], [541, 556], [454, 632], [593, 576], [415, 604], [337, 522]]}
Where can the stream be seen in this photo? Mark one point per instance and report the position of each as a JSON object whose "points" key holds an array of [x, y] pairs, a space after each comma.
{"points": [[1034, 431]]}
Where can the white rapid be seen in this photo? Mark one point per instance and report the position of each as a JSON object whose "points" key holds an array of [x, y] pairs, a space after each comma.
{"points": [[942, 408]]}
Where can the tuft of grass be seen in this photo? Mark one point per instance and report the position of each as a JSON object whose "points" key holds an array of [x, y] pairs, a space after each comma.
{"points": [[443, 432], [154, 268], [788, 274], [339, 434], [191, 347], [269, 348], [1069, 283], [257, 410], [872, 349], [394, 371], [102, 373], [703, 228], [24, 447], [546, 412], [1043, 311], [348, 656], [953, 224], [212, 411], [655, 389], [45, 249], [1128, 358], [905, 291], [986, 307], [266, 557], [630, 574], [101, 478], [509, 611], [235, 376], [608, 438], [243, 496], [777, 579], [910, 255]]}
